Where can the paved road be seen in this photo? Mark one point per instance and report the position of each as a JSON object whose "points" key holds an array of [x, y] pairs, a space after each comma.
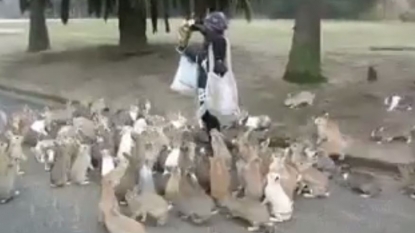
{"points": [[41, 209]]}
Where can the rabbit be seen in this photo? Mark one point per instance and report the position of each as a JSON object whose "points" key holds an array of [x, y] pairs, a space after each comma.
{"points": [[50, 158], [116, 222], [253, 180], [219, 147], [146, 180], [363, 183], [289, 175], [36, 131], [107, 164], [172, 160], [118, 172], [300, 99], [85, 126], [330, 139], [15, 149], [281, 203], [61, 165], [108, 200], [189, 198], [147, 203], [98, 106], [261, 122], [202, 169], [126, 143], [220, 178], [250, 210], [66, 131], [128, 180], [172, 186], [160, 182], [58, 115], [80, 167], [392, 132], [8, 173], [140, 125], [315, 181], [81, 109], [188, 154], [40, 149]]}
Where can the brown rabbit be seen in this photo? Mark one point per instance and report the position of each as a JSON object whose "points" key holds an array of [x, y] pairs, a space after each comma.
{"points": [[250, 210], [8, 173], [15, 149], [202, 169], [147, 203], [172, 186], [254, 185], [220, 148], [108, 200], [116, 222], [220, 178], [315, 181], [190, 199], [330, 139], [303, 158]]}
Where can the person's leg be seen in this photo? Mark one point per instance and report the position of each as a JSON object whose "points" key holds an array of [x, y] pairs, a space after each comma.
{"points": [[210, 122]]}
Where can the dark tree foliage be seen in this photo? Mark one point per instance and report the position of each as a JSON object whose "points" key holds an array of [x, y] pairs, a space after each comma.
{"points": [[161, 9]]}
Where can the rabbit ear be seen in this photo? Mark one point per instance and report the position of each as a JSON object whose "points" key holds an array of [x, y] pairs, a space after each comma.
{"points": [[265, 144], [136, 189]]}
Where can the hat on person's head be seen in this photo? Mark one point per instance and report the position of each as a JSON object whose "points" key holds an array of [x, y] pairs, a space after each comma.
{"points": [[216, 21]]}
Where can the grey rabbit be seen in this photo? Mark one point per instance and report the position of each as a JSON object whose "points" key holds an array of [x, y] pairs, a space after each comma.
{"points": [[61, 165], [80, 167], [360, 182]]}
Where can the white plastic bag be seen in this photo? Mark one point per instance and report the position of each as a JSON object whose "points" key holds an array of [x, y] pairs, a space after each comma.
{"points": [[222, 92], [185, 80]]}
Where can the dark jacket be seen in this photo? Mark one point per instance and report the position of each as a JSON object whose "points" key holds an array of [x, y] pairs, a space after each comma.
{"points": [[218, 42]]}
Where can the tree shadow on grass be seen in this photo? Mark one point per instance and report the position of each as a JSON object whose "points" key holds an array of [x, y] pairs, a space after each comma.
{"points": [[86, 58], [96, 54]]}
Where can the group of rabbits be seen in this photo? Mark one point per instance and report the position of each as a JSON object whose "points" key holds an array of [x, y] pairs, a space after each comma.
{"points": [[151, 166]]}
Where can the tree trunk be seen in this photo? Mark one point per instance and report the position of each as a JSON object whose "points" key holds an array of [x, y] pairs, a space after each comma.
{"points": [[38, 31], [304, 59], [132, 25]]}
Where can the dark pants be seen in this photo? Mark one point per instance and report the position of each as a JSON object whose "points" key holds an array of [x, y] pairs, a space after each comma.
{"points": [[210, 121]]}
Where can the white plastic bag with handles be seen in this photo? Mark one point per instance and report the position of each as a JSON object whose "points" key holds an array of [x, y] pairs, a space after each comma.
{"points": [[185, 80], [222, 92]]}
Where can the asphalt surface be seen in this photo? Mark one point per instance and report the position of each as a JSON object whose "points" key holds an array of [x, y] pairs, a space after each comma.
{"points": [[41, 209]]}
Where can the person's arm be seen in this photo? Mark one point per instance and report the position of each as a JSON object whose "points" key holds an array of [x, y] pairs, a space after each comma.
{"points": [[219, 54]]}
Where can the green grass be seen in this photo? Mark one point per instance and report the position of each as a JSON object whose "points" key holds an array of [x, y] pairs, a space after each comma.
{"points": [[337, 36]]}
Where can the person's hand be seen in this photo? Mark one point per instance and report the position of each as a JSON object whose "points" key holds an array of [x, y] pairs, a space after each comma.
{"points": [[220, 68]]}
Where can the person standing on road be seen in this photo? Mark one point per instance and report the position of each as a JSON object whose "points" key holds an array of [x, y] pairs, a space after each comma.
{"points": [[212, 28]]}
